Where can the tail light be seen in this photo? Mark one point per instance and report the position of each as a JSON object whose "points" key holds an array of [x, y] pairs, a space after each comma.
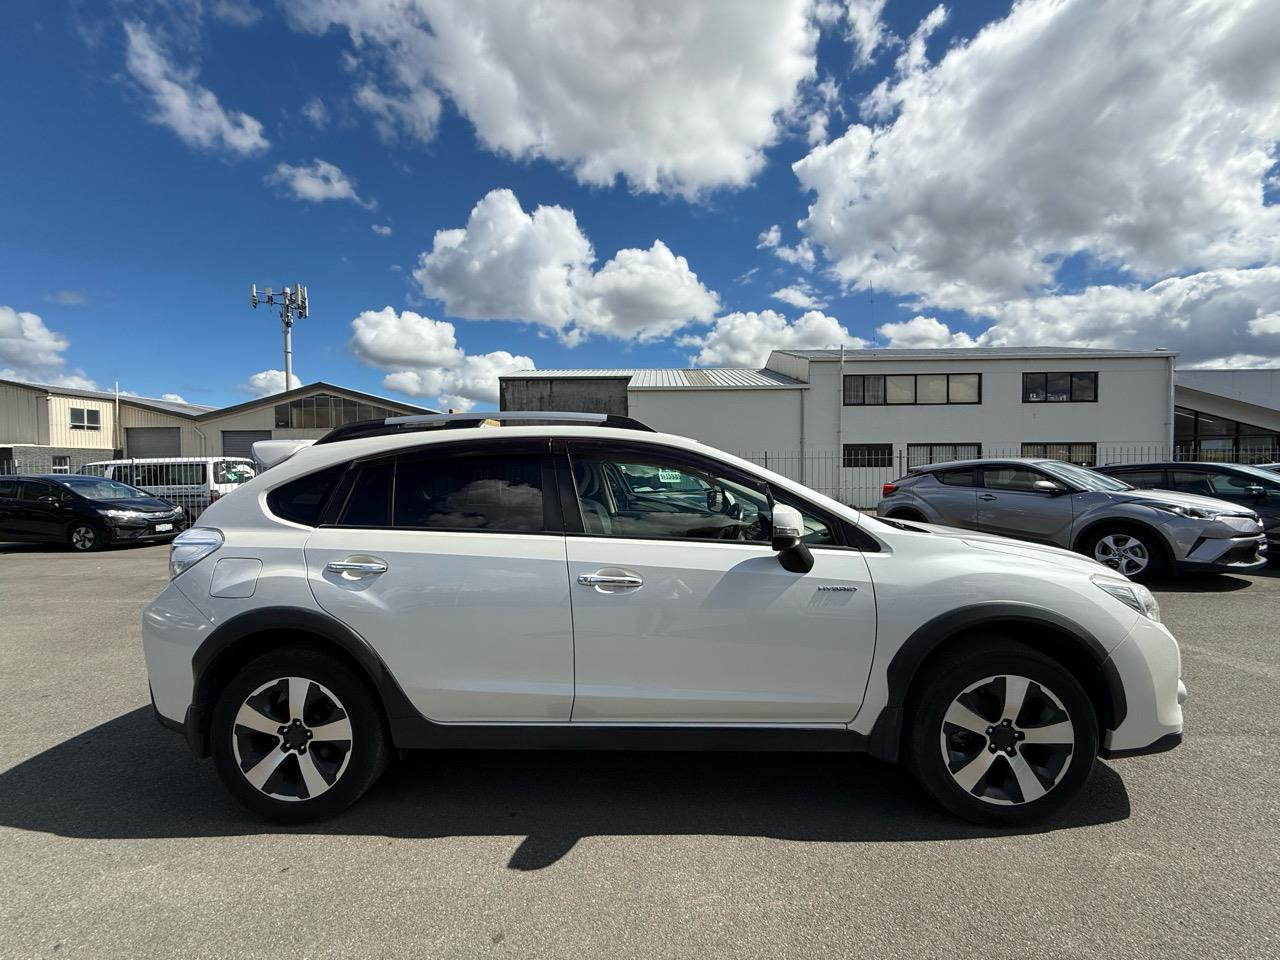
{"points": [[888, 488]]}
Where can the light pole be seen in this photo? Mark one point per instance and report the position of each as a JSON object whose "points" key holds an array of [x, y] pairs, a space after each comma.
{"points": [[294, 304]]}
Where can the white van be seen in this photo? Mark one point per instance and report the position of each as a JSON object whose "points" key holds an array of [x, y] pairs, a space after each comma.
{"points": [[191, 482]]}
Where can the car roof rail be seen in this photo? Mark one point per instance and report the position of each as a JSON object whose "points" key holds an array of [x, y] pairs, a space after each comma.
{"points": [[461, 421]]}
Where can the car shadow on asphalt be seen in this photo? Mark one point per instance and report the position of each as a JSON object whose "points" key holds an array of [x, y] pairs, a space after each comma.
{"points": [[129, 778], [1214, 583]]}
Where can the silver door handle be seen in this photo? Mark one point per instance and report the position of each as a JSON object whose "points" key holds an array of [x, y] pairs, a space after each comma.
{"points": [[356, 566], [986, 496], [601, 580]]}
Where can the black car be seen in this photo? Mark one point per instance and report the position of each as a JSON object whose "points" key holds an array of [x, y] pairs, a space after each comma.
{"points": [[1251, 487], [83, 512]]}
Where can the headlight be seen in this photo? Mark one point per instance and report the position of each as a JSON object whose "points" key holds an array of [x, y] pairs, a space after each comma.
{"points": [[190, 547], [123, 514], [1131, 594], [1192, 513]]}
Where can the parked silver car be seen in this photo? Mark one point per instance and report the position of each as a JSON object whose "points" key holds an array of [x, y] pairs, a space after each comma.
{"points": [[1141, 533]]}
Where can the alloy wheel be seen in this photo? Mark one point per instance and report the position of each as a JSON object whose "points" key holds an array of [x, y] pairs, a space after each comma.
{"points": [[84, 538], [1121, 552], [1007, 740], [292, 739]]}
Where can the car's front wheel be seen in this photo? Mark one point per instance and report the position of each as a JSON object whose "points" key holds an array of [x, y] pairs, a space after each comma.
{"points": [[84, 538], [1000, 733], [1133, 551], [297, 736]]}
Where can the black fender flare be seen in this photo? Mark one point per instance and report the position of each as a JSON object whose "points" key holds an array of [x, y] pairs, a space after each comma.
{"points": [[229, 639], [886, 734], [1169, 552]]}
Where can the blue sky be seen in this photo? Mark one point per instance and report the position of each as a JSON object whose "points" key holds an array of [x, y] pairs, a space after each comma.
{"points": [[986, 198]]}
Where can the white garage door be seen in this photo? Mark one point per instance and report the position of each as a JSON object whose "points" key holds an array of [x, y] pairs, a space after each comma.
{"points": [[153, 441], [239, 443]]}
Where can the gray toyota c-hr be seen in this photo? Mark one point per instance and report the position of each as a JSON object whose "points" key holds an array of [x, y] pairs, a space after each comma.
{"points": [[1143, 534]]}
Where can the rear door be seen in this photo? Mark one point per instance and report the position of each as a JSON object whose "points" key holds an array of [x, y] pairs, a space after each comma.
{"points": [[8, 506], [681, 611], [39, 511], [450, 562], [1009, 505], [953, 494]]}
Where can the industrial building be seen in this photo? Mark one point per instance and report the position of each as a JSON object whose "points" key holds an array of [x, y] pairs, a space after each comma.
{"points": [[845, 420], [50, 429]]}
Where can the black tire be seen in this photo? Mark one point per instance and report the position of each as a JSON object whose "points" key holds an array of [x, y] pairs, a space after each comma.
{"points": [[353, 771], [997, 796], [85, 537], [1157, 563]]}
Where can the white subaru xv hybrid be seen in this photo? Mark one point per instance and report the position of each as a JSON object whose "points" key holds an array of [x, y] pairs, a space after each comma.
{"points": [[579, 580]]}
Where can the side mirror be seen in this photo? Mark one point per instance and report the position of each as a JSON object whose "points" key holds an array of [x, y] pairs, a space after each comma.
{"points": [[1257, 491], [1046, 486], [788, 539], [52, 500]]}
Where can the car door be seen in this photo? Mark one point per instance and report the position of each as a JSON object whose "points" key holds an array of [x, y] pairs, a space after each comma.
{"points": [[449, 561], [681, 611], [40, 513], [1011, 506], [954, 497], [8, 507]]}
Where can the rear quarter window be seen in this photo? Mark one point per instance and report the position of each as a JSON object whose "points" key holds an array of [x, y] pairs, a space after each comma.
{"points": [[303, 500]]}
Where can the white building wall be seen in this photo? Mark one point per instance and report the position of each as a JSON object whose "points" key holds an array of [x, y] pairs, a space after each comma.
{"points": [[740, 422], [1133, 409]]}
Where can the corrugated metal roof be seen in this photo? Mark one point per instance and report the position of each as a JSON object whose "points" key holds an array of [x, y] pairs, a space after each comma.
{"points": [[694, 378], [166, 406], [950, 353]]}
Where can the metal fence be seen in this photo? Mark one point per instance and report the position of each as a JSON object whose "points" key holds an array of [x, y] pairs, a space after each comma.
{"points": [[855, 475]]}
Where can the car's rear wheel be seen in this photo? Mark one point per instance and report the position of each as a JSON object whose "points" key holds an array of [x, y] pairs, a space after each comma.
{"points": [[1133, 551], [84, 538], [297, 736], [1000, 734]]}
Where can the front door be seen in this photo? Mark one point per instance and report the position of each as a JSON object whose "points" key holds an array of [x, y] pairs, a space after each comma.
{"points": [[1009, 504], [40, 512], [682, 612], [457, 580]]}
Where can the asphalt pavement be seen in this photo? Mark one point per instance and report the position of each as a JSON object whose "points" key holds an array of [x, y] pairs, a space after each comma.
{"points": [[116, 842]]}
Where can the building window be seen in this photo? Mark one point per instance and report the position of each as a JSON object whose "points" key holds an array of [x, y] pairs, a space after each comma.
{"points": [[61, 464], [923, 454], [82, 419], [1067, 387], [1199, 436], [324, 410], [868, 454], [911, 388], [1081, 454]]}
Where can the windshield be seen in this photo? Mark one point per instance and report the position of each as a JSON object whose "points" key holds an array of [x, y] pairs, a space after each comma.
{"points": [[233, 471], [1260, 472], [98, 488], [1084, 478]]}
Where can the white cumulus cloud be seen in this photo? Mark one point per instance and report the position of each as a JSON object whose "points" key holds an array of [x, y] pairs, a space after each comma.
{"points": [[672, 96], [316, 112], [1137, 135], [745, 339], [423, 359], [381, 229], [29, 350], [264, 383], [316, 182], [800, 295], [800, 254], [537, 267], [180, 103]]}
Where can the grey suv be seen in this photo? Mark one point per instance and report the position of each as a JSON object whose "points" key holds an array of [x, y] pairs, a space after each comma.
{"points": [[1140, 533]]}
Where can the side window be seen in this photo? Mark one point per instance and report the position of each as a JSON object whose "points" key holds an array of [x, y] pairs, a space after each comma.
{"points": [[1142, 479], [303, 500], [1010, 478], [957, 478], [31, 490], [1191, 481], [646, 498], [8, 488], [471, 493], [369, 502]]}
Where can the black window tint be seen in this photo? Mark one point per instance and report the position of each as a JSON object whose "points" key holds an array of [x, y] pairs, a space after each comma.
{"points": [[471, 493], [32, 490], [1010, 478], [7, 488], [1059, 387], [303, 500], [369, 503], [956, 478], [1033, 387], [1142, 479]]}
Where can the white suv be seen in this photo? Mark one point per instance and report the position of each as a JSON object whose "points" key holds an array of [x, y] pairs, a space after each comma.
{"points": [[580, 580]]}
